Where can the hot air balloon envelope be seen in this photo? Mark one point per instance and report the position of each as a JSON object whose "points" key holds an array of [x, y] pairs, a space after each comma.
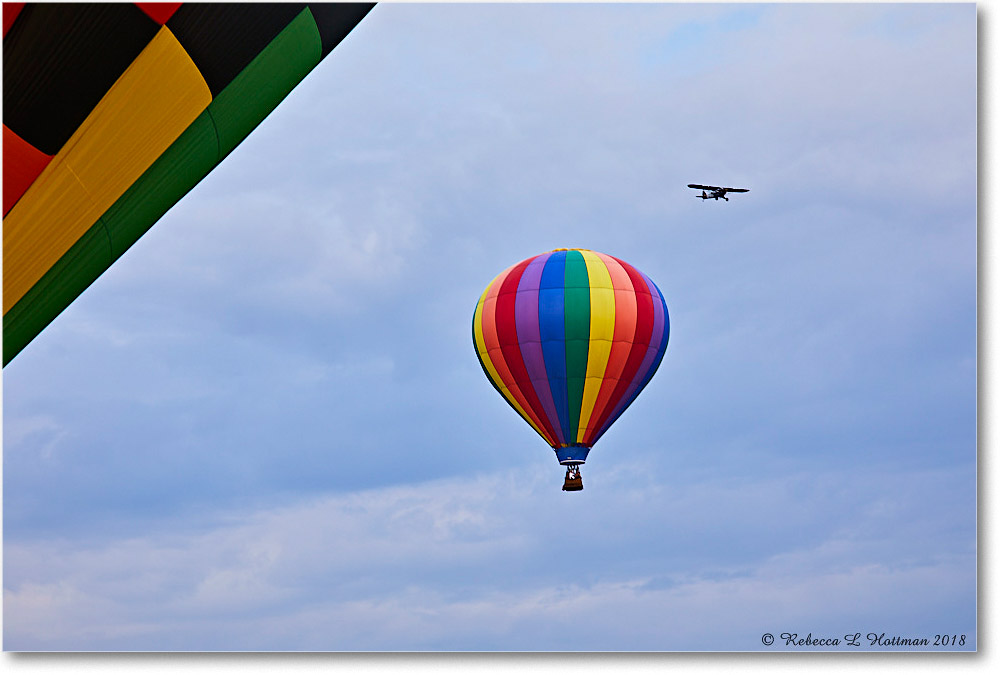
{"points": [[569, 338], [113, 111]]}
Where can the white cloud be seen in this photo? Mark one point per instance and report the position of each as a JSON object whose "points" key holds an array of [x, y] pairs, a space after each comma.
{"points": [[43, 434], [491, 563]]}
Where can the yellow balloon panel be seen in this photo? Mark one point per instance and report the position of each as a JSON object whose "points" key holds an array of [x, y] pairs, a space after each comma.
{"points": [[145, 111], [602, 331]]}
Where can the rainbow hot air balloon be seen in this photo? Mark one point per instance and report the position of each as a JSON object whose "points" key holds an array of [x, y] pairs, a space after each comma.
{"points": [[114, 111], [570, 338]]}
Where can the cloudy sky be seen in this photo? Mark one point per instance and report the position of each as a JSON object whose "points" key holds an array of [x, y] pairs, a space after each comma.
{"points": [[265, 428]]}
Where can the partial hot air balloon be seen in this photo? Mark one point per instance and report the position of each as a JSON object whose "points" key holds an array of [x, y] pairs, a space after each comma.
{"points": [[569, 338], [113, 112]]}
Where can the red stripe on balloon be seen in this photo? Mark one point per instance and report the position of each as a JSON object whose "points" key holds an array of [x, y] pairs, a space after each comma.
{"points": [[651, 360], [160, 12], [506, 320], [10, 12], [494, 353], [22, 162], [643, 331]]}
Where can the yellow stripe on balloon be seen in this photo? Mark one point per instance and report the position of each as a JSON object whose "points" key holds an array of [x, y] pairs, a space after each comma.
{"points": [[602, 332], [150, 105], [484, 355]]}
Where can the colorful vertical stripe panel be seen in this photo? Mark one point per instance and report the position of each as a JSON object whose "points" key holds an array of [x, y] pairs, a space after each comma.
{"points": [[569, 338]]}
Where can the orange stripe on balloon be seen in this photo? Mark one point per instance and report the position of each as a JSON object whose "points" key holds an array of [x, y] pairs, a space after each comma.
{"points": [[625, 321], [644, 324]]}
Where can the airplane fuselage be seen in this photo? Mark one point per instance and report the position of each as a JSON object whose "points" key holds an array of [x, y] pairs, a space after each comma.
{"points": [[716, 194]]}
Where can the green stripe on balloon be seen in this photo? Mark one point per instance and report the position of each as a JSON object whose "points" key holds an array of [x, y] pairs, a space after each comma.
{"points": [[263, 84], [65, 280], [577, 314]]}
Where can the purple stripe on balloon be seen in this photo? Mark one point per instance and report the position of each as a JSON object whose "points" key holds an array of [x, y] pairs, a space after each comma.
{"points": [[659, 319], [529, 337], [660, 307]]}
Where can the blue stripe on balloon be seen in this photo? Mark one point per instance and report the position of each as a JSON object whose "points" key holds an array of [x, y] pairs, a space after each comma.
{"points": [[552, 329]]}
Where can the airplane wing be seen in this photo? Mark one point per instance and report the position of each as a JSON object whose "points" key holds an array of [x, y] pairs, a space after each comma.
{"points": [[702, 187], [736, 189]]}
